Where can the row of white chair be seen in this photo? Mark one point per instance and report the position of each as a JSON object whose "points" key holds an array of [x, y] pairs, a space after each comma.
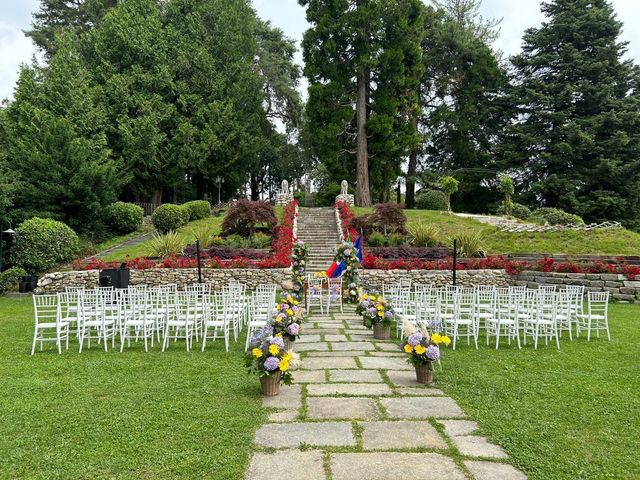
{"points": [[147, 314], [543, 313]]}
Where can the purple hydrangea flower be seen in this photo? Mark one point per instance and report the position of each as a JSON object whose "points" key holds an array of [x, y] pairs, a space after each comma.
{"points": [[271, 363], [347, 252], [432, 353], [415, 339], [277, 341], [388, 314], [294, 329]]}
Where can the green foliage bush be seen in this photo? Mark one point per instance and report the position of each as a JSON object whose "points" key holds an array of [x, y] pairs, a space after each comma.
{"points": [[10, 278], [260, 240], [237, 241], [376, 239], [432, 200], [198, 209], [167, 245], [520, 211], [389, 217], [395, 240], [326, 195], [424, 235], [470, 244], [169, 217], [216, 241], [124, 217], [556, 216], [204, 234], [42, 243]]}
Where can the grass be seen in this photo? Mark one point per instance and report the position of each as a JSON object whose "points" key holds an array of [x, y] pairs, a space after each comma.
{"points": [[601, 242], [143, 249], [568, 414], [129, 415]]}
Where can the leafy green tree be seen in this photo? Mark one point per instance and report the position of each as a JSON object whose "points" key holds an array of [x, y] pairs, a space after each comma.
{"points": [[449, 186], [577, 134], [507, 188], [54, 135]]}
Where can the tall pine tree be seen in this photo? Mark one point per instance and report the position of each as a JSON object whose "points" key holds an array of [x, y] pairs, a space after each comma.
{"points": [[577, 137]]}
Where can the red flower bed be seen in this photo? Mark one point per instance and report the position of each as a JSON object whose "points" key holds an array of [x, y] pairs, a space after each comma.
{"points": [[281, 258], [512, 267], [346, 216]]}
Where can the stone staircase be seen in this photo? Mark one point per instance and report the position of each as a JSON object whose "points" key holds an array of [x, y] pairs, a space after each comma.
{"points": [[317, 228]]}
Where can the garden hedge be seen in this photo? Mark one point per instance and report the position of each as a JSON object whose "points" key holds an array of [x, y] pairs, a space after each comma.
{"points": [[169, 217], [124, 217], [42, 243], [432, 200]]}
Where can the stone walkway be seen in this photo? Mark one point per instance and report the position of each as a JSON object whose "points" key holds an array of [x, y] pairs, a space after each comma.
{"points": [[356, 412]]}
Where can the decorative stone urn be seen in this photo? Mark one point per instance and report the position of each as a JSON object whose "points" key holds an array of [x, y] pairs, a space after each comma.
{"points": [[284, 197]]}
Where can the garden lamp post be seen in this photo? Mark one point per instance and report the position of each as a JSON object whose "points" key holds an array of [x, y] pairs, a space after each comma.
{"points": [[9, 232], [219, 180]]}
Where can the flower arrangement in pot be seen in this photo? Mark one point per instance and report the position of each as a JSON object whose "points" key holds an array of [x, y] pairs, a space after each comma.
{"points": [[299, 258], [423, 351], [376, 313], [269, 359], [286, 319]]}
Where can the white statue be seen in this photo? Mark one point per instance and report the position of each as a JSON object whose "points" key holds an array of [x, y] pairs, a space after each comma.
{"points": [[285, 187], [344, 188]]}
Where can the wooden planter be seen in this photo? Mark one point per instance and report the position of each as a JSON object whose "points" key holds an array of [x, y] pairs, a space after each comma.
{"points": [[424, 374], [380, 332], [270, 385]]}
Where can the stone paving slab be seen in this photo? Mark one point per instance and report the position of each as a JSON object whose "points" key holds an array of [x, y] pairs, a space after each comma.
{"points": [[346, 353], [388, 354], [355, 376], [394, 465], [385, 363], [360, 337], [337, 346], [335, 338], [309, 376], [312, 346], [422, 407], [290, 397], [477, 446], [349, 389], [283, 416], [493, 471], [330, 408], [389, 347], [324, 331], [357, 329], [420, 391], [308, 465], [329, 325], [403, 378], [317, 363], [400, 435], [308, 338], [320, 434], [458, 427]]}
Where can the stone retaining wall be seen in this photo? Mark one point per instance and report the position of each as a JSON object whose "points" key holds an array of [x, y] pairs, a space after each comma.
{"points": [[375, 278], [620, 287], [55, 282]]}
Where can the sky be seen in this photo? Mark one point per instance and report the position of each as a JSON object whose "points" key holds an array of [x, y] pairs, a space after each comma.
{"points": [[517, 15]]}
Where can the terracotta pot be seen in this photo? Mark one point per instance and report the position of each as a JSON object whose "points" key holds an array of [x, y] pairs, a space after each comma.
{"points": [[424, 374], [380, 332], [288, 344], [270, 385]]}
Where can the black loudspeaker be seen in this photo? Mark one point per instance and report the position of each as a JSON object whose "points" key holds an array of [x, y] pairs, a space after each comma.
{"points": [[115, 277]]}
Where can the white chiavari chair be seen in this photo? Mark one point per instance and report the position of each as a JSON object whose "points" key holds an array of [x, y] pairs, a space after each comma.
{"points": [[181, 324], [48, 317], [315, 294], [138, 318], [334, 293], [597, 316], [221, 312]]}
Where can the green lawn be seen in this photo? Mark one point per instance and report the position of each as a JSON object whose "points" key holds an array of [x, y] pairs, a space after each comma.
{"points": [[568, 414], [602, 242], [187, 238], [129, 415]]}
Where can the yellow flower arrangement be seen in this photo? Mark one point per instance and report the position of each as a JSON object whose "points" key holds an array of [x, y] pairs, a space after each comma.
{"points": [[408, 348], [274, 349], [256, 352], [420, 349]]}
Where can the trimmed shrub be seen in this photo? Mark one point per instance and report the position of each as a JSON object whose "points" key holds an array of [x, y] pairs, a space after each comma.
{"points": [[167, 245], [124, 217], [423, 235], [556, 216], [376, 239], [245, 216], [42, 243], [168, 217], [198, 209], [432, 200], [9, 279], [520, 211], [390, 217]]}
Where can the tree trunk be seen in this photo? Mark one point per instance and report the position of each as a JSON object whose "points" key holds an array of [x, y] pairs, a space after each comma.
{"points": [[363, 195], [398, 193], [410, 180], [255, 188]]}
